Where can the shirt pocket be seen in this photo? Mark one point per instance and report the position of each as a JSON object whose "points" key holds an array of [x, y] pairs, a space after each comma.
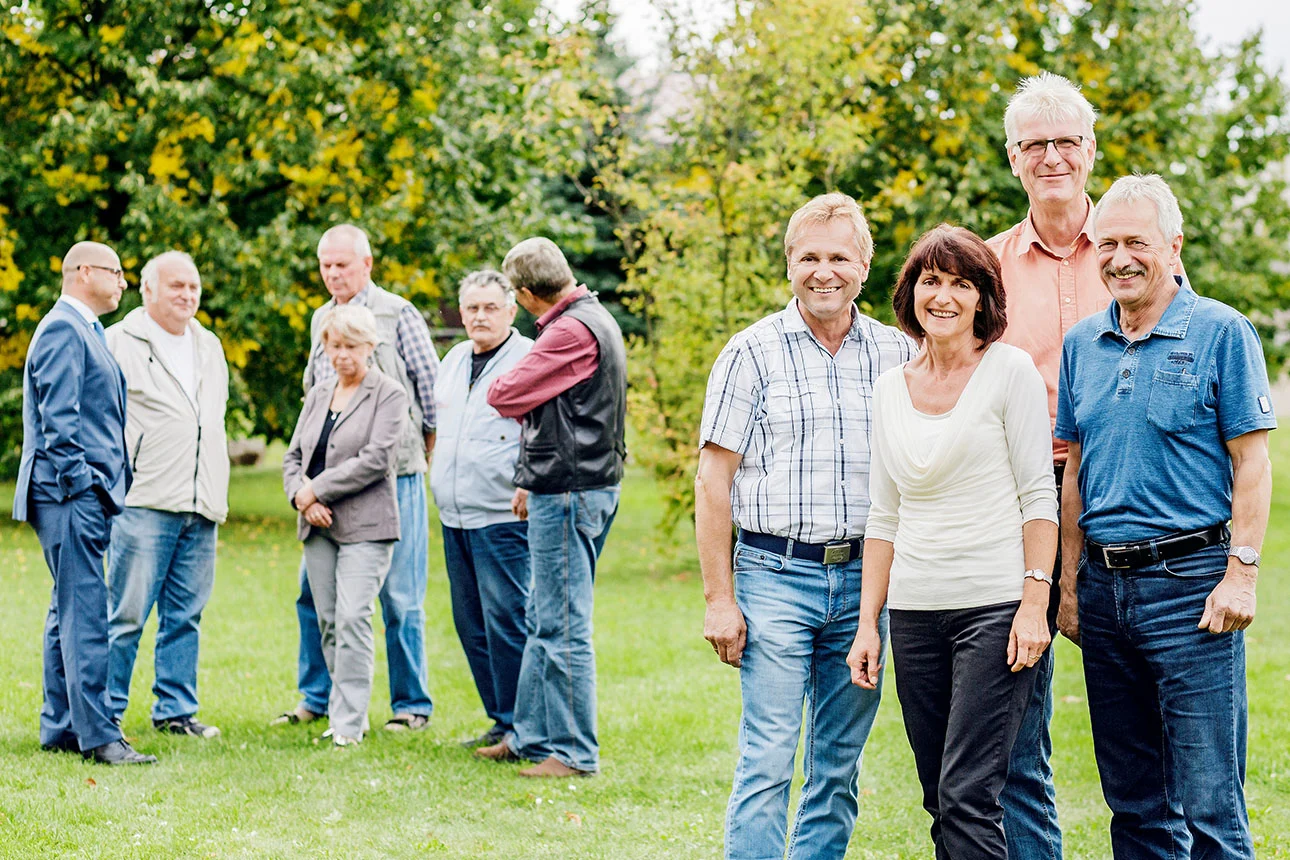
{"points": [[798, 410], [1173, 401]]}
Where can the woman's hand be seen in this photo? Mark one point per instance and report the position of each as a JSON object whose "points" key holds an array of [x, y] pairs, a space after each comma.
{"points": [[305, 496], [1029, 636], [318, 514], [865, 658]]}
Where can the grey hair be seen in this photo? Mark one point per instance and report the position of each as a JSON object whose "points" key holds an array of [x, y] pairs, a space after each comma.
{"points": [[486, 278], [1048, 97], [350, 322], [150, 274], [355, 235], [538, 265], [1145, 186], [826, 208]]}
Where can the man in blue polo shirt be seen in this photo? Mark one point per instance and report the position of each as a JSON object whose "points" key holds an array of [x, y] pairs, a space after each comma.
{"points": [[1164, 399]]}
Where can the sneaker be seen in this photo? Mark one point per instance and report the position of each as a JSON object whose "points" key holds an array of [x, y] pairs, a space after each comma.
{"points": [[342, 741], [407, 723], [186, 726]]}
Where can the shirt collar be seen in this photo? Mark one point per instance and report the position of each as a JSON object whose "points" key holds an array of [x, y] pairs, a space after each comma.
{"points": [[1172, 323], [794, 321], [558, 308], [1030, 236], [80, 307]]}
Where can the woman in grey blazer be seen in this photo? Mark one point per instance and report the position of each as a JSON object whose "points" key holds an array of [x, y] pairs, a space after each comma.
{"points": [[339, 474]]}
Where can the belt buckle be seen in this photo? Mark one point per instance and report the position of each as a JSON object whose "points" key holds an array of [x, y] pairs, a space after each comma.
{"points": [[837, 553], [1106, 556]]}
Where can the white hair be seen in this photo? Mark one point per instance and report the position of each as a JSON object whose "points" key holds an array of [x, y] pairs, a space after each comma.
{"points": [[350, 322], [355, 235], [148, 278], [487, 278], [1051, 98], [1145, 186]]}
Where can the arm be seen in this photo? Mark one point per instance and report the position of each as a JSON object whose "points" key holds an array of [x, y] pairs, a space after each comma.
{"points": [[374, 460], [414, 344], [1030, 635], [1230, 606], [565, 354], [1072, 545], [723, 623], [57, 368], [865, 658], [293, 466]]}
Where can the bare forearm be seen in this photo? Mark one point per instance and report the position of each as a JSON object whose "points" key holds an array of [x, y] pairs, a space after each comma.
{"points": [[1039, 539], [878, 555], [1251, 498], [712, 526]]}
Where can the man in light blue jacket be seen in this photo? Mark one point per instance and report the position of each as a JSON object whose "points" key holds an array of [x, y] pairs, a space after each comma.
{"points": [[485, 537]]}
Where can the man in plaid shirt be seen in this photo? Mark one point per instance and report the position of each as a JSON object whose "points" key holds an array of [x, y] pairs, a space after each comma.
{"points": [[784, 457], [407, 354]]}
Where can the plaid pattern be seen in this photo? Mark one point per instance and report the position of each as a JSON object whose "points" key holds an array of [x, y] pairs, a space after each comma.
{"points": [[413, 343], [801, 419]]}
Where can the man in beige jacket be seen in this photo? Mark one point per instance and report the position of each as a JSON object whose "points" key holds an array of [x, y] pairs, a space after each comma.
{"points": [[162, 550]]}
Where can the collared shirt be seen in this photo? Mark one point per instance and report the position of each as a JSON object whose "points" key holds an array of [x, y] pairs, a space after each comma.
{"points": [[1152, 416], [1048, 290], [564, 354], [801, 418], [80, 307], [413, 343]]}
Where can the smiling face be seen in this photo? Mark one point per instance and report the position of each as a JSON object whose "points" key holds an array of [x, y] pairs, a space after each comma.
{"points": [[1051, 176], [176, 296], [1136, 259], [487, 316], [827, 271], [945, 305]]}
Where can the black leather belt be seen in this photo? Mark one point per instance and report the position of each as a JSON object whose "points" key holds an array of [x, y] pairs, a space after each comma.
{"points": [[1148, 552], [837, 552]]}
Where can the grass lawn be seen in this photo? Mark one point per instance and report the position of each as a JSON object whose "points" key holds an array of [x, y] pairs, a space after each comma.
{"points": [[668, 714]]}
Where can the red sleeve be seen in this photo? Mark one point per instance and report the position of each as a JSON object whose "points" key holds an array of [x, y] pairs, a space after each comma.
{"points": [[564, 354]]}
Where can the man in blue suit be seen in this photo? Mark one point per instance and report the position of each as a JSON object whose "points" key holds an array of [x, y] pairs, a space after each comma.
{"points": [[72, 480]]}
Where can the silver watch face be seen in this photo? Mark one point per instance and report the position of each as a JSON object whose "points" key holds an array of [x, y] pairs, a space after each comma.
{"points": [[1246, 554]]}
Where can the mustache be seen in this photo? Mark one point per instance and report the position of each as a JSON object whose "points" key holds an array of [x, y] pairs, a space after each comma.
{"points": [[1126, 272]]}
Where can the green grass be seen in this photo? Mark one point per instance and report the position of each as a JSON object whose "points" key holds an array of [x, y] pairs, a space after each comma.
{"points": [[668, 714]]}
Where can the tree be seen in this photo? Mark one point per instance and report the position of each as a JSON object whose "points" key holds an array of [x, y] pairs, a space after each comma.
{"points": [[239, 131]]}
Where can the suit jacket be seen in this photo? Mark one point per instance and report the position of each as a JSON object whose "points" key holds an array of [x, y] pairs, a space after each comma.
{"points": [[73, 416], [358, 481]]}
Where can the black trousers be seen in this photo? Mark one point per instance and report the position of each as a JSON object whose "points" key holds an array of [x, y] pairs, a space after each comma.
{"points": [[962, 708]]}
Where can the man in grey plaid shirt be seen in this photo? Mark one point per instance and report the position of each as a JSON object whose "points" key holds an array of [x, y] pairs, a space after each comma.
{"points": [[784, 456]]}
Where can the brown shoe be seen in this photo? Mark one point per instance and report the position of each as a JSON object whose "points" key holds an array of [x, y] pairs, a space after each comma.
{"points": [[497, 752], [553, 768]]}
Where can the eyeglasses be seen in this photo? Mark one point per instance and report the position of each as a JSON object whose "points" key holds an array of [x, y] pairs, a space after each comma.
{"points": [[116, 273], [1038, 146], [489, 309]]}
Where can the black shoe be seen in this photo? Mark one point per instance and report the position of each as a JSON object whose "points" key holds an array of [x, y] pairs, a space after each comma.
{"points": [[118, 752], [67, 744], [487, 739], [185, 726]]}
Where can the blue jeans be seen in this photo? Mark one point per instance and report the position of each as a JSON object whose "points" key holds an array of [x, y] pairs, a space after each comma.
{"points": [[488, 579], [402, 606], [555, 704], [802, 619], [167, 560], [1028, 798], [1168, 708]]}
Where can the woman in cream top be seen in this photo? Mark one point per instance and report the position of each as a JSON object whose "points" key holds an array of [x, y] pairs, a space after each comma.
{"points": [[961, 536]]}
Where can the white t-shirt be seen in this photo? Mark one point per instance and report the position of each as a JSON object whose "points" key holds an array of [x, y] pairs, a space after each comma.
{"points": [[951, 491], [179, 352]]}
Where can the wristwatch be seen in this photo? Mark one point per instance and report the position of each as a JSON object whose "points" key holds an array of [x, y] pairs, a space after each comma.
{"points": [[1036, 573], [1246, 555]]}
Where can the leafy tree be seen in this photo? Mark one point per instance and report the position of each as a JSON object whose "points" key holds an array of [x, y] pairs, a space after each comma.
{"points": [[239, 131]]}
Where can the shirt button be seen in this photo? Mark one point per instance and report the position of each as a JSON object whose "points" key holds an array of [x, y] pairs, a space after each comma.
{"points": [[1066, 263], [1068, 300], [1125, 374], [1130, 350]]}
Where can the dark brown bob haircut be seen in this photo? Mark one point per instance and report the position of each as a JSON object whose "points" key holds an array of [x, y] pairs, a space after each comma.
{"points": [[960, 252]]}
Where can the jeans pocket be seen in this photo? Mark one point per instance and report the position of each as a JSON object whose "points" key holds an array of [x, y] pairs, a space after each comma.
{"points": [[748, 559], [1171, 405], [595, 508], [1210, 562]]}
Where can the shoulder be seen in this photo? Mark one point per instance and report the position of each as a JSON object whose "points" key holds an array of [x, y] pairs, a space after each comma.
{"points": [[1011, 357], [58, 329], [766, 333], [387, 386], [998, 241], [1083, 333], [888, 337], [1213, 312], [460, 352]]}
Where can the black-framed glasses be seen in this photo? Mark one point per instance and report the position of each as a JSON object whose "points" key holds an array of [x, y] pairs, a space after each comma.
{"points": [[116, 273], [1065, 145]]}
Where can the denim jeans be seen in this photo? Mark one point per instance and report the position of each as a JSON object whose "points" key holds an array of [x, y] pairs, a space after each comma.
{"points": [[1168, 708], [402, 606], [802, 618], [555, 704], [962, 706], [167, 560], [488, 578]]}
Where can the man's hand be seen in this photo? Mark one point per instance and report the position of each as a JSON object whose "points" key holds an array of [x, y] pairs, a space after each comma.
{"points": [[520, 503], [724, 627], [318, 514], [429, 440], [1068, 614], [865, 657], [304, 496], [1230, 606]]}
